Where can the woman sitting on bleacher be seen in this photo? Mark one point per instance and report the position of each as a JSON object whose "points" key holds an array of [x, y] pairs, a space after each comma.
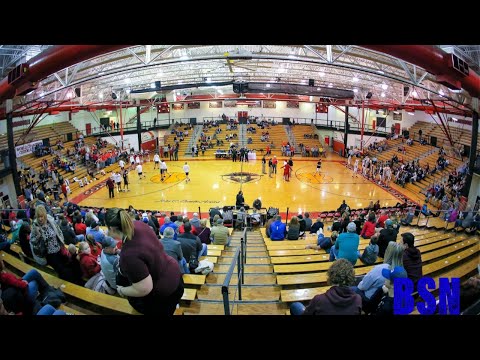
{"points": [[293, 229], [340, 299]]}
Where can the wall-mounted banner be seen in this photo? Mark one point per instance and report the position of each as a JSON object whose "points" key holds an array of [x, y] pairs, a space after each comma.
{"points": [[26, 149]]}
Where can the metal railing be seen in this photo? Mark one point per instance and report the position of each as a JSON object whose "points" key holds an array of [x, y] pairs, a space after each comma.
{"points": [[239, 260]]}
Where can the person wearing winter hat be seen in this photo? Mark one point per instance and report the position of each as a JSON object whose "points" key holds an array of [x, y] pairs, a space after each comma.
{"points": [[346, 246]]}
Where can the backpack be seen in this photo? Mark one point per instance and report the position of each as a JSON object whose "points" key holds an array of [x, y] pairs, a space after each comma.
{"points": [[193, 263]]}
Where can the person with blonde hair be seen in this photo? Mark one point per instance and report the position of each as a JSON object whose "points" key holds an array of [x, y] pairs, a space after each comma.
{"points": [[370, 287], [47, 243], [152, 281]]}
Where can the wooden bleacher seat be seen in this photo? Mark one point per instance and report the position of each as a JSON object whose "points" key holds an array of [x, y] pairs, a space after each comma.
{"points": [[110, 303]]}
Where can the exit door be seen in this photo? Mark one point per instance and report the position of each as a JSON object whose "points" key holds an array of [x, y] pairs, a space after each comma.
{"points": [[88, 128], [242, 117]]}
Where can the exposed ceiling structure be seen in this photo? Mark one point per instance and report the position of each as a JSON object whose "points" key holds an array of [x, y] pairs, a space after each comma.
{"points": [[346, 67]]}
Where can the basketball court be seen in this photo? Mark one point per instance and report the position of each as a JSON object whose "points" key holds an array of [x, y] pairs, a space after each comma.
{"points": [[216, 183]]}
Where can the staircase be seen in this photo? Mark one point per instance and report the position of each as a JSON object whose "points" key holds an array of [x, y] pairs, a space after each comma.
{"points": [[242, 135], [194, 139], [290, 136], [260, 293]]}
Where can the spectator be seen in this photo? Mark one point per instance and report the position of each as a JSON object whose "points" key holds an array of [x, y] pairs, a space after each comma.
{"points": [[174, 249], [386, 235], [346, 246], [109, 262], [293, 229], [369, 226], [340, 299], [412, 259], [152, 280], [277, 229], [370, 254], [308, 222], [204, 232]]}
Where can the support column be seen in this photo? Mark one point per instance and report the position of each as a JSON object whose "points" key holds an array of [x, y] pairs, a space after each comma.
{"points": [[363, 125], [11, 147], [139, 129], [347, 128], [473, 154]]}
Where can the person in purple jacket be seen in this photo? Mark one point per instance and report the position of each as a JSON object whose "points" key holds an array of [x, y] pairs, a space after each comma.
{"points": [[340, 299]]}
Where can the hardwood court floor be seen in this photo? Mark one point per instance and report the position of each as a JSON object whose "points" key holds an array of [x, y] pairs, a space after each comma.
{"points": [[215, 182]]}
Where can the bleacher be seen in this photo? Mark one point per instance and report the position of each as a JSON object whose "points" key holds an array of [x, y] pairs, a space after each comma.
{"points": [[53, 132], [277, 136], [226, 143], [299, 131], [183, 145], [458, 134], [81, 169]]}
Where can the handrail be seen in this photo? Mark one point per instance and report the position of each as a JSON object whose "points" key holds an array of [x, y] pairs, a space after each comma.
{"points": [[238, 258]]}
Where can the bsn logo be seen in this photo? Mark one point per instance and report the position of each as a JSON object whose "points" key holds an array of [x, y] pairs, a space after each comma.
{"points": [[448, 296]]}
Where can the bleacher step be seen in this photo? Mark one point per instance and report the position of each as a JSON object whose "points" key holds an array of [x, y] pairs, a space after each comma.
{"points": [[250, 260], [249, 269], [256, 293], [250, 279], [202, 308], [250, 252]]}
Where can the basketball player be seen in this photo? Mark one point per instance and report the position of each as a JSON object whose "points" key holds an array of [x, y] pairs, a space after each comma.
{"points": [[132, 161], [163, 169], [355, 168], [140, 171], [156, 159], [186, 168], [118, 180], [319, 166], [349, 160], [125, 180], [122, 164]]}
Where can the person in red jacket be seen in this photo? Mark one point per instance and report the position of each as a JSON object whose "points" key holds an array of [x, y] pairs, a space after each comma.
{"points": [[369, 226], [24, 290], [88, 262]]}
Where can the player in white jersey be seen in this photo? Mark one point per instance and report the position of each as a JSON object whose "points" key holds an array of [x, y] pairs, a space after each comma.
{"points": [[349, 159], [355, 168], [137, 159], [156, 159], [186, 168], [122, 164], [140, 171], [132, 161], [163, 169], [118, 180]]}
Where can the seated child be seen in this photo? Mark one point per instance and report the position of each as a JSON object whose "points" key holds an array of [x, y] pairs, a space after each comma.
{"points": [[370, 254], [323, 242]]}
